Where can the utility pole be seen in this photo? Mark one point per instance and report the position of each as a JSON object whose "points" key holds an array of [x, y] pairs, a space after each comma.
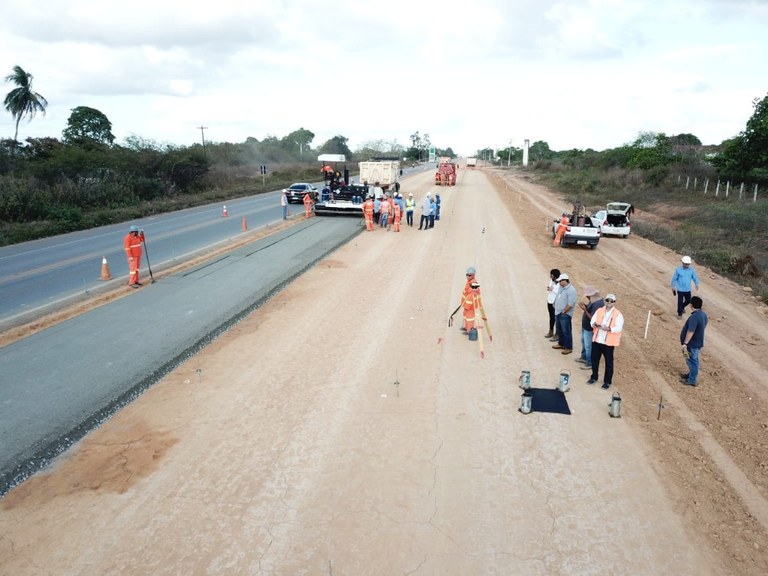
{"points": [[202, 133], [509, 158]]}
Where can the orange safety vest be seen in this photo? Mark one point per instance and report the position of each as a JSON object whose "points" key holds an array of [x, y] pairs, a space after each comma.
{"points": [[611, 338], [368, 207], [384, 207]]}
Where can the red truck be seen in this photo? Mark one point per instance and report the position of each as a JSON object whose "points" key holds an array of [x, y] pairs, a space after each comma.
{"points": [[446, 174]]}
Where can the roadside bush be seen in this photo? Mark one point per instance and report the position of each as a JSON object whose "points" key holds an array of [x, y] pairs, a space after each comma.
{"points": [[655, 176]]}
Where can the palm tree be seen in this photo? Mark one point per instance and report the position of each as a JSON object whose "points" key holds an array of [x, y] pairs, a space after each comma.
{"points": [[22, 101]]}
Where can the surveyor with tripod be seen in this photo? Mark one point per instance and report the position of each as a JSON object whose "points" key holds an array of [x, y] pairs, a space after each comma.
{"points": [[132, 245]]}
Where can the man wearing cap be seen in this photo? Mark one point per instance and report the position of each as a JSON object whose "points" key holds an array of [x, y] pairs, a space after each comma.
{"points": [[426, 208], [410, 206], [692, 340], [588, 309], [681, 284], [565, 302], [607, 324], [132, 245]]}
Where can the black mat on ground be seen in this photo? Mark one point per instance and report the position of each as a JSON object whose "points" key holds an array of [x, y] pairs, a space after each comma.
{"points": [[549, 400]]}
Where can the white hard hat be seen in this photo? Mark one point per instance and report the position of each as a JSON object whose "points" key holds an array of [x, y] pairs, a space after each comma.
{"points": [[563, 277], [611, 297], [686, 259]]}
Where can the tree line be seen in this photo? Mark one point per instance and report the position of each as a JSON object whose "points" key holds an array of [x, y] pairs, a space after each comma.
{"points": [[84, 178]]}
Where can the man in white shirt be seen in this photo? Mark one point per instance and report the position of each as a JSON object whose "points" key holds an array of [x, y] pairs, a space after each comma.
{"points": [[607, 323]]}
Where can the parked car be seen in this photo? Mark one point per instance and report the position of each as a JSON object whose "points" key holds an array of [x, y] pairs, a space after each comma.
{"points": [[295, 192], [615, 220]]}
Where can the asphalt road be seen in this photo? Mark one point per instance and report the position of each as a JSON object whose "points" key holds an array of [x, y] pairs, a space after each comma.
{"points": [[37, 277], [59, 383]]}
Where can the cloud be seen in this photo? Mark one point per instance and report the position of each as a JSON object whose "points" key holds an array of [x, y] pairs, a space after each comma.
{"points": [[576, 73]]}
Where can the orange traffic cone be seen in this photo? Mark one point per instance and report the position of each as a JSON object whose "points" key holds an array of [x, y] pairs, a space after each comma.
{"points": [[245, 224], [105, 275], [224, 212]]}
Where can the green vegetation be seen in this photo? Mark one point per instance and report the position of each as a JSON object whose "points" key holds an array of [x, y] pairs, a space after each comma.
{"points": [[727, 234], [49, 186], [692, 193]]}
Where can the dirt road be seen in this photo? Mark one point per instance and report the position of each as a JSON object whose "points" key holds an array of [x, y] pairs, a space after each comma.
{"points": [[344, 429]]}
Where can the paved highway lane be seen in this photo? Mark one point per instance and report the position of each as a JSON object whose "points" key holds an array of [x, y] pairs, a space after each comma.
{"points": [[37, 276], [40, 276], [59, 383]]}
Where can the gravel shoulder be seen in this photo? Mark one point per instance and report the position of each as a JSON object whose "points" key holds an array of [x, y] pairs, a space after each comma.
{"points": [[343, 428]]}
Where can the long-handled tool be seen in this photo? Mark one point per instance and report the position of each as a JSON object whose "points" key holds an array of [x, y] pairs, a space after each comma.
{"points": [[146, 254], [485, 323], [480, 339], [450, 318]]}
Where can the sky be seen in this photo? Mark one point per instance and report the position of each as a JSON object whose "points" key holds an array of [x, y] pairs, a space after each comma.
{"points": [[471, 74]]}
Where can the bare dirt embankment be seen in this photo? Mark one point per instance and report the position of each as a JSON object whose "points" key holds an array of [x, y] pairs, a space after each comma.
{"points": [[343, 428]]}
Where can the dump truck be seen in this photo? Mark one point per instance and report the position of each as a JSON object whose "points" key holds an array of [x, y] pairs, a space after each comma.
{"points": [[471, 162], [446, 174], [385, 172]]}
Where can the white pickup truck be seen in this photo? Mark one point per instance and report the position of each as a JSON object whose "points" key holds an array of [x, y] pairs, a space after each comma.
{"points": [[615, 220], [581, 231]]}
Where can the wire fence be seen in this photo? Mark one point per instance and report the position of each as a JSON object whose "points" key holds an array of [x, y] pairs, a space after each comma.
{"points": [[722, 189]]}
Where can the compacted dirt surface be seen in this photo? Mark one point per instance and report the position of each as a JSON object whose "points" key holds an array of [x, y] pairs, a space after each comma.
{"points": [[345, 429]]}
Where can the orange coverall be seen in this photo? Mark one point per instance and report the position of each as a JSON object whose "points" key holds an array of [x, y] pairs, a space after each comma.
{"points": [[398, 215], [561, 226], [368, 213], [132, 244], [471, 304], [307, 205]]}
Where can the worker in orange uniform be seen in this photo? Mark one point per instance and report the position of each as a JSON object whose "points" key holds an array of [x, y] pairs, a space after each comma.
{"points": [[307, 205], [398, 216], [132, 244], [368, 213], [471, 305], [561, 226]]}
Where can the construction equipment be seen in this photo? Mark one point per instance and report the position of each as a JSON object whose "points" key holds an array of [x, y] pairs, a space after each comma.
{"points": [[446, 174]]}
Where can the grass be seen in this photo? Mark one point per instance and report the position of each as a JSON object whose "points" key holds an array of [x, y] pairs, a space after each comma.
{"points": [[728, 235]]}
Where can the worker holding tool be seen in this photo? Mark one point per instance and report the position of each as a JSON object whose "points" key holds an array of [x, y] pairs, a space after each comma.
{"points": [[132, 245], [472, 305], [561, 226], [467, 289]]}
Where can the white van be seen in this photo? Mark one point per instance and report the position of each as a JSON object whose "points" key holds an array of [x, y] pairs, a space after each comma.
{"points": [[615, 220]]}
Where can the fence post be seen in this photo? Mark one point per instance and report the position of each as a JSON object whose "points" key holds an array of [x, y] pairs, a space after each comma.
{"points": [[717, 190], [695, 183], [727, 188], [754, 196], [706, 186], [741, 191], [687, 179]]}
